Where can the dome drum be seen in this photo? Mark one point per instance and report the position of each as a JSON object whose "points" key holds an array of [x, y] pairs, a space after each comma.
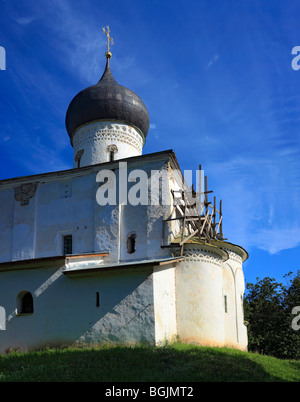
{"points": [[96, 140]]}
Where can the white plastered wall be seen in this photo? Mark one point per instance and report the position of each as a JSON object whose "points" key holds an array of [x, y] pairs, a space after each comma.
{"points": [[164, 304], [200, 314], [233, 289]]}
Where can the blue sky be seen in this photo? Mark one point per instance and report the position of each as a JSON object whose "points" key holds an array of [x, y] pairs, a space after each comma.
{"points": [[216, 78]]}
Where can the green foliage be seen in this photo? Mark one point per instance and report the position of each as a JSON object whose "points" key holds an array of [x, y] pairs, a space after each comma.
{"points": [[172, 363], [268, 308]]}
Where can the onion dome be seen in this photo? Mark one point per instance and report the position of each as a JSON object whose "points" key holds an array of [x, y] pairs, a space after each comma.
{"points": [[107, 100]]}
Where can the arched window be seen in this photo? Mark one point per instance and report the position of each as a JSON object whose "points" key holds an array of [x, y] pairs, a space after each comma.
{"points": [[24, 303], [131, 243], [78, 157], [112, 150]]}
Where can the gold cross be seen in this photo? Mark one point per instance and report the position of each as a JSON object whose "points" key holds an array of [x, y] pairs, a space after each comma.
{"points": [[109, 39]]}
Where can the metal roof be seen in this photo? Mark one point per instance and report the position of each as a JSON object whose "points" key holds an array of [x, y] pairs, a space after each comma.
{"points": [[86, 268], [107, 100]]}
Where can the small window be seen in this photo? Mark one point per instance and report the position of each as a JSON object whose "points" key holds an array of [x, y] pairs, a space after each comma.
{"points": [[131, 243], [67, 246], [78, 157], [225, 303], [97, 299], [111, 156], [112, 150], [25, 303]]}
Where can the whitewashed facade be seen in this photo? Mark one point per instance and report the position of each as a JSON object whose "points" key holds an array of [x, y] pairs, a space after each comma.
{"points": [[151, 295], [73, 271]]}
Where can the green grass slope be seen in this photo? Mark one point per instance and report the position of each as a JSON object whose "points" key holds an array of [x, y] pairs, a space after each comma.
{"points": [[173, 363]]}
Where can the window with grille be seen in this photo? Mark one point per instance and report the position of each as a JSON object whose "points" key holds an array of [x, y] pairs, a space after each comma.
{"points": [[67, 246]]}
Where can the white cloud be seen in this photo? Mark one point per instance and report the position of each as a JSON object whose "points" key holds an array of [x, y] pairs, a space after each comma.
{"points": [[25, 20], [261, 206], [274, 240], [212, 61]]}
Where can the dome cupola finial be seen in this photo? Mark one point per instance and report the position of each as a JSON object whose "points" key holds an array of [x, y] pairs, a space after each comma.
{"points": [[109, 40]]}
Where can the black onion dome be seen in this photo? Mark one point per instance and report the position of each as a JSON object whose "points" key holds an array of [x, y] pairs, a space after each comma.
{"points": [[104, 101]]}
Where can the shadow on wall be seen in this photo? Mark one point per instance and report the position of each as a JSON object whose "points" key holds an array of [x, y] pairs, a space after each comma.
{"points": [[102, 307]]}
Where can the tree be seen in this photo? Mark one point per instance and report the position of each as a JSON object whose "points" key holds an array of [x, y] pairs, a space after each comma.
{"points": [[268, 309]]}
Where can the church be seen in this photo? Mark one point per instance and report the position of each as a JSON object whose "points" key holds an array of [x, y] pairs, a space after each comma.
{"points": [[120, 248]]}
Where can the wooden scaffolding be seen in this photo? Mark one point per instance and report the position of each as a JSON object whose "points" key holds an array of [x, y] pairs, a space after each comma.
{"points": [[198, 217]]}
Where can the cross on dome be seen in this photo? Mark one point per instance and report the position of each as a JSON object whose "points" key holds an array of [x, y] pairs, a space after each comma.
{"points": [[109, 40]]}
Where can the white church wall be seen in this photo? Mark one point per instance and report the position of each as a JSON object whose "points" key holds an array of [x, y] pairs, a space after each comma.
{"points": [[6, 224], [233, 290], [164, 304], [131, 319], [199, 304], [188, 299], [53, 218], [174, 227], [230, 309], [35, 229], [133, 222], [145, 221], [159, 208], [240, 289], [66, 310], [82, 213], [62, 204], [65, 207], [23, 230], [106, 230]]}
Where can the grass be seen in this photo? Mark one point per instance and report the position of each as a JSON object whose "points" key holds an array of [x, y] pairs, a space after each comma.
{"points": [[173, 363]]}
